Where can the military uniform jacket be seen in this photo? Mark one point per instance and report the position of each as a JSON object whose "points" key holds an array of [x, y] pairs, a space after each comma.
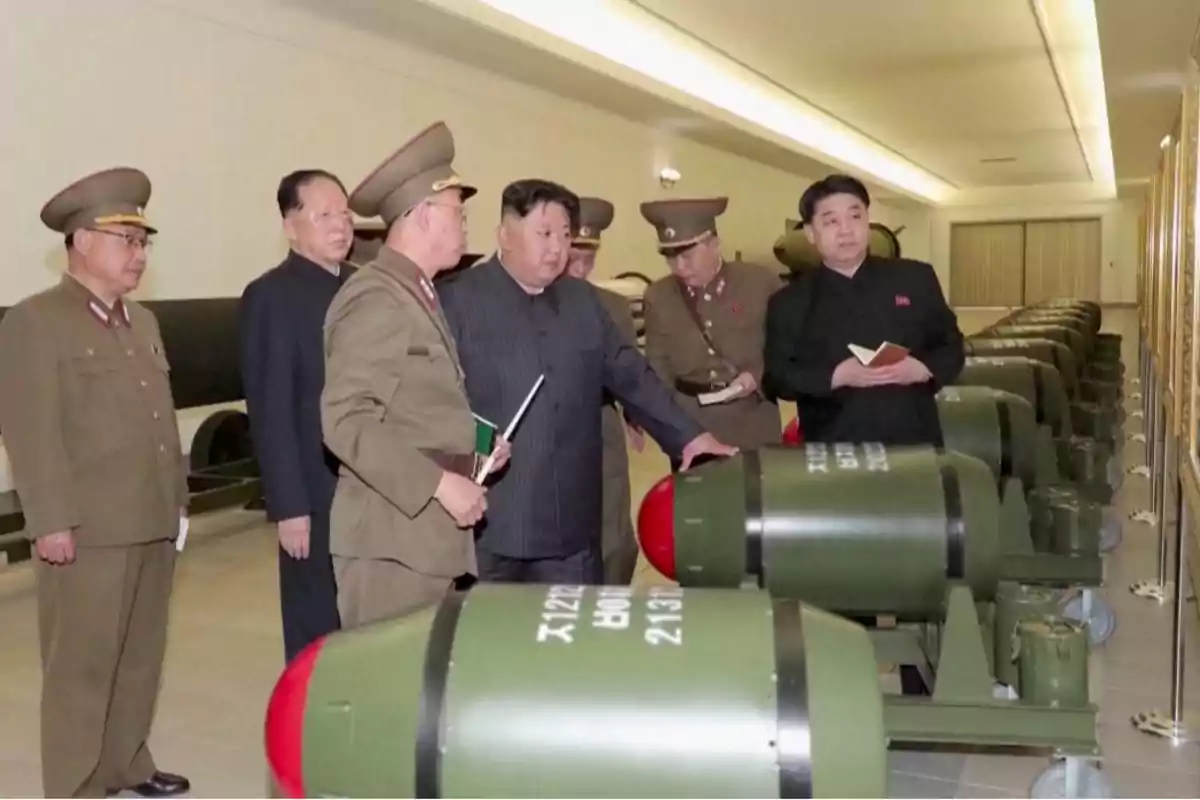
{"points": [[394, 411], [733, 308], [88, 420], [547, 502], [811, 323]]}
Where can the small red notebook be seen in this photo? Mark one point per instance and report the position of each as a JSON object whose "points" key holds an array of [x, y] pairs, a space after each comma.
{"points": [[883, 356]]}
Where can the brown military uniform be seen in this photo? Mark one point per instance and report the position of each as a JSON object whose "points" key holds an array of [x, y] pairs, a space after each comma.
{"points": [[89, 425], [394, 410], [732, 309], [619, 547]]}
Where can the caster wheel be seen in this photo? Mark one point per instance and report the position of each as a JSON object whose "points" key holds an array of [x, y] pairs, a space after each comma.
{"points": [[1053, 782], [1102, 621], [1110, 530]]}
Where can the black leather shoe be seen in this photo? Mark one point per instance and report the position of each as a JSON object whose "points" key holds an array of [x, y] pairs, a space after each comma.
{"points": [[162, 784]]}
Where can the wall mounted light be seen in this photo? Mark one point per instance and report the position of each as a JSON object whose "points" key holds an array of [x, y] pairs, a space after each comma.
{"points": [[1166, 142], [668, 177]]}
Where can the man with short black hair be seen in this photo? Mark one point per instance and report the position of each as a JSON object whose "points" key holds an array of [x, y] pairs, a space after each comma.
{"points": [[864, 300], [517, 317], [281, 320], [858, 299]]}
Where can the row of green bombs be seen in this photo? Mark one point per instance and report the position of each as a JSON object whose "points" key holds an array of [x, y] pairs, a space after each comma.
{"points": [[1073, 377]]}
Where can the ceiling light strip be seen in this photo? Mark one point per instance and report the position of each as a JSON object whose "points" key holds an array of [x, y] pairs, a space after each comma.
{"points": [[625, 34]]}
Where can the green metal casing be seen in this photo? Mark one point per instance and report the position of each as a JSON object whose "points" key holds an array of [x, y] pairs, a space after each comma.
{"points": [[1048, 352], [1074, 339], [1022, 376], [1053, 658], [971, 424], [1014, 604], [858, 530], [572, 691]]}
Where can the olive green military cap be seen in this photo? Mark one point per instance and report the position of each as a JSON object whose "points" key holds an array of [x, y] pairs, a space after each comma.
{"points": [[681, 223], [110, 197], [420, 168], [595, 215]]}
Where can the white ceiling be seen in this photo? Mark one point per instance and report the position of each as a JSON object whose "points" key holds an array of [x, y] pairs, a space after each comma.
{"points": [[947, 84]]}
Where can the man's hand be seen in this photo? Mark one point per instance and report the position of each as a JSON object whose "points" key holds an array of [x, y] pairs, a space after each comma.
{"points": [[463, 499], [747, 382], [852, 373], [704, 444], [905, 373], [637, 437], [56, 548], [294, 536]]}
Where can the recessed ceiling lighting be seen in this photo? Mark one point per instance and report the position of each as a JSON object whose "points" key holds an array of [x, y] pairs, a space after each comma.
{"points": [[1166, 142]]}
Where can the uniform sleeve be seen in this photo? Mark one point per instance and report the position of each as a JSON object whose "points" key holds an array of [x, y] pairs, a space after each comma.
{"points": [[792, 372], [646, 400], [658, 339], [366, 335], [942, 352], [31, 424], [268, 363]]}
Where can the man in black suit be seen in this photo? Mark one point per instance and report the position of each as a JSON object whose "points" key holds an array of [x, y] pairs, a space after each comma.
{"points": [[282, 317], [516, 317], [856, 298]]}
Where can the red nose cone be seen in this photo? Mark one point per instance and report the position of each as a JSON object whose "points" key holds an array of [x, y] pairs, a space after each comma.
{"points": [[285, 721], [792, 436], [656, 526]]}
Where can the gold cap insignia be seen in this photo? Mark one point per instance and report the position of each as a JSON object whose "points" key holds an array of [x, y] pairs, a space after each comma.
{"points": [[585, 231], [669, 233]]}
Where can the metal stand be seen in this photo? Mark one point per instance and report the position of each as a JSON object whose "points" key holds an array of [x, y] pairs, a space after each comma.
{"points": [[1156, 457], [1174, 726]]}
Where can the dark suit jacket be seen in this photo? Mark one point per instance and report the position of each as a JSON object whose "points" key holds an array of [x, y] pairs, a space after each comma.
{"points": [[280, 330], [547, 502], [811, 322]]}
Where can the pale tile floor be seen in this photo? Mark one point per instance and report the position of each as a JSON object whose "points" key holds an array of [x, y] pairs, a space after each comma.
{"points": [[225, 653]]}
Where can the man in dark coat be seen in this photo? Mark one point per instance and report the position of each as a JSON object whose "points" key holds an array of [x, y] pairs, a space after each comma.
{"points": [[283, 371], [858, 299], [517, 317], [863, 300]]}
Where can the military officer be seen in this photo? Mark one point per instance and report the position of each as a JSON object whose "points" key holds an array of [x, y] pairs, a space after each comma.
{"points": [[704, 324], [89, 426], [394, 409], [619, 550]]}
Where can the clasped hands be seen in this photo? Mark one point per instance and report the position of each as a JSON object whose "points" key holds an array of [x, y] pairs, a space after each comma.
{"points": [[851, 372]]}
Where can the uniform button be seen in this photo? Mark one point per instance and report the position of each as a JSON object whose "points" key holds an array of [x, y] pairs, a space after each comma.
{"points": [[712, 352], [708, 297], [156, 415], [91, 352], [712, 373], [129, 352], [708, 323], [145, 384], [162, 448]]}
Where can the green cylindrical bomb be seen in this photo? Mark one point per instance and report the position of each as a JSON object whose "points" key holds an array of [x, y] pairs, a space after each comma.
{"points": [[1071, 338], [997, 427], [571, 691], [1053, 659], [1049, 352], [1105, 393], [1039, 383], [1014, 603], [859, 530]]}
